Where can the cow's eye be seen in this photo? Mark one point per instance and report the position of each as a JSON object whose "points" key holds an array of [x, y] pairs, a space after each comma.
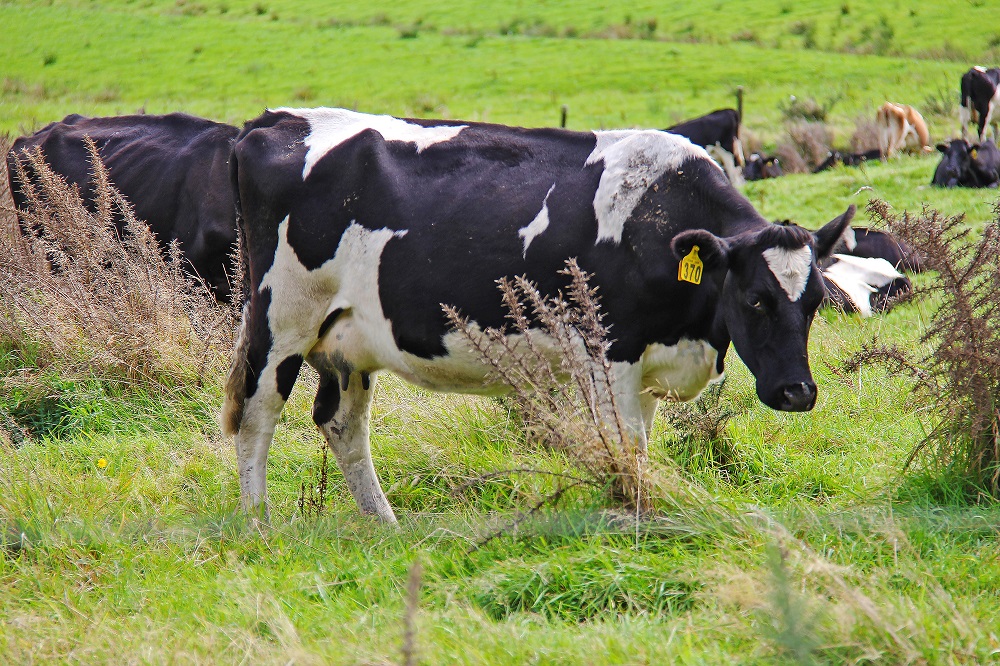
{"points": [[756, 303]]}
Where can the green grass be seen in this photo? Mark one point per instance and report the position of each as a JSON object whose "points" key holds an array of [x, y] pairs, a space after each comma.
{"points": [[231, 66], [148, 560]]}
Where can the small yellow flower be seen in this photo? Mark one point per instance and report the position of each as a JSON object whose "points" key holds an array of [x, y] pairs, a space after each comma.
{"points": [[102, 463]]}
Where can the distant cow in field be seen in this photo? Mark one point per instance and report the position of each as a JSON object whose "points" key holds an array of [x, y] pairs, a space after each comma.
{"points": [[968, 165], [173, 169], [759, 167], [358, 228], [874, 244], [863, 285], [898, 123], [848, 159], [719, 133], [980, 99]]}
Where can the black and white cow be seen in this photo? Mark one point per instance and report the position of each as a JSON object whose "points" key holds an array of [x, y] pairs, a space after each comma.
{"points": [[863, 285], [357, 228], [965, 165], [173, 169], [717, 132], [980, 99], [875, 244], [759, 167]]}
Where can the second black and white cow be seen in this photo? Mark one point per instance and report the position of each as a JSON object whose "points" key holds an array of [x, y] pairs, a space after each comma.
{"points": [[173, 169], [980, 89], [357, 228]]}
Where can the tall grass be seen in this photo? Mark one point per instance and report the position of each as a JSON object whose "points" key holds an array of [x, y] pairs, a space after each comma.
{"points": [[98, 299]]}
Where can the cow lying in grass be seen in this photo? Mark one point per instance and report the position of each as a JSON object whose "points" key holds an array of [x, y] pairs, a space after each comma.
{"points": [[967, 165], [357, 228]]}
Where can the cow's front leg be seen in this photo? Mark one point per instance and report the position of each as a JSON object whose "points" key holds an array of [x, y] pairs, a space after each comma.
{"points": [[630, 403], [342, 410]]}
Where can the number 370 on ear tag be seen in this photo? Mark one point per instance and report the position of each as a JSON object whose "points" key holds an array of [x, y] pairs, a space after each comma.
{"points": [[691, 267]]}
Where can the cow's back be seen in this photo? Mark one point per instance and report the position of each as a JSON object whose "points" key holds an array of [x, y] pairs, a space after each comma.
{"points": [[173, 169]]}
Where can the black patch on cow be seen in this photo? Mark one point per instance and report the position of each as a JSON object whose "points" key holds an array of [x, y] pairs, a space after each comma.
{"points": [[328, 322], [327, 399], [261, 340], [286, 374]]}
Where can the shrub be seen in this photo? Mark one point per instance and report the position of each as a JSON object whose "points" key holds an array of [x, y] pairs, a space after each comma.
{"points": [[808, 109], [93, 299], [811, 141], [960, 374], [579, 417], [865, 136]]}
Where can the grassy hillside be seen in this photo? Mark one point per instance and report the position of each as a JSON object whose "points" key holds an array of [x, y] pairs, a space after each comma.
{"points": [[795, 538], [421, 61]]}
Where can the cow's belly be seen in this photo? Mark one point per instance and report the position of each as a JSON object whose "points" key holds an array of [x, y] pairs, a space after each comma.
{"points": [[681, 371], [367, 346]]}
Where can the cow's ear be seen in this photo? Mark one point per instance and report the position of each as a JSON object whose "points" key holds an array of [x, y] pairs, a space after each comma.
{"points": [[942, 147], [826, 238], [712, 250]]}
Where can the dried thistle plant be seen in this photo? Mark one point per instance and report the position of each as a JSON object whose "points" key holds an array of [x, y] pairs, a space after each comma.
{"points": [[89, 291], [961, 378], [561, 380]]}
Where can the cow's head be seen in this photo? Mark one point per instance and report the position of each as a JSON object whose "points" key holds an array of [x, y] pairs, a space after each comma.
{"points": [[771, 290], [956, 164]]}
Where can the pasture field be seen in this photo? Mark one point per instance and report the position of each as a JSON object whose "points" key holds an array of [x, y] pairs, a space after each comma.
{"points": [[797, 538]]}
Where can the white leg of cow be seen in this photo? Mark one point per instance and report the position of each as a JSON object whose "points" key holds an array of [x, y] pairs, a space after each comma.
{"points": [[342, 416], [648, 403], [252, 443], [626, 384]]}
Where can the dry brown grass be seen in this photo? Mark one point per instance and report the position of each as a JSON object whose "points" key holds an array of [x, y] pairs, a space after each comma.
{"points": [[569, 405], [808, 145], [93, 299], [865, 136]]}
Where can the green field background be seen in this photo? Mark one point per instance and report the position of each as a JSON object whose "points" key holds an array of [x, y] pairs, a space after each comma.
{"points": [[149, 561]]}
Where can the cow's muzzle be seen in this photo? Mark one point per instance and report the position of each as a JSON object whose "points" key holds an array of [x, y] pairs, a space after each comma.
{"points": [[799, 397]]}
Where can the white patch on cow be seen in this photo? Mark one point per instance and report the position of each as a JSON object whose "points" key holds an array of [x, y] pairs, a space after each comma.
{"points": [[860, 277], [791, 268], [681, 371], [328, 128], [537, 225], [979, 68], [633, 161]]}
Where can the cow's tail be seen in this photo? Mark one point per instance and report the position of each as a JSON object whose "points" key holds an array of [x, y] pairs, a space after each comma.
{"points": [[236, 379]]}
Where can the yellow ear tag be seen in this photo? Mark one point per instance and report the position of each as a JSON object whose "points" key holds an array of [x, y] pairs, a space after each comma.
{"points": [[691, 267], [974, 153]]}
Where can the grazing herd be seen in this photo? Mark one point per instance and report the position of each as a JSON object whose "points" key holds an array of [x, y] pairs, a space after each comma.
{"points": [[356, 228]]}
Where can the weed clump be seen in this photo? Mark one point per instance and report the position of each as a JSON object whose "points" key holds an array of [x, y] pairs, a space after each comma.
{"points": [[960, 374], [569, 404], [88, 292]]}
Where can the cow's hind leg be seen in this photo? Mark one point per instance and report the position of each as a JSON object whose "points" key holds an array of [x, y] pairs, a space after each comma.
{"points": [[342, 410]]}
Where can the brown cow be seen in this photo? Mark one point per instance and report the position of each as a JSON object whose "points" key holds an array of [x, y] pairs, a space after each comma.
{"points": [[897, 123]]}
